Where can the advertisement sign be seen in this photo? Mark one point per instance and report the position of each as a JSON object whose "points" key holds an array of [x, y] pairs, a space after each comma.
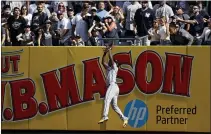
{"points": [[63, 88]]}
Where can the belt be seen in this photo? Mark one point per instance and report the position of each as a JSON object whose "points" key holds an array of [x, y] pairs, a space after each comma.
{"points": [[112, 83]]}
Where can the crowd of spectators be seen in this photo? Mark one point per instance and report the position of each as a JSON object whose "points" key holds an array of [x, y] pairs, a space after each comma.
{"points": [[94, 23]]}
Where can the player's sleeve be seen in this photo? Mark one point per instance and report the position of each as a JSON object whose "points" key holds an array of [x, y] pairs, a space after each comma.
{"points": [[108, 68], [115, 67]]}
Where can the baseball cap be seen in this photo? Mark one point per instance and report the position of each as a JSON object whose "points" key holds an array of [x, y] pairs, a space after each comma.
{"points": [[109, 17], [70, 9], [93, 9], [78, 36], [48, 22], [177, 8]]}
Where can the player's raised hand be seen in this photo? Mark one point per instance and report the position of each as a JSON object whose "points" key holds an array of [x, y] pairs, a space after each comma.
{"points": [[106, 49]]}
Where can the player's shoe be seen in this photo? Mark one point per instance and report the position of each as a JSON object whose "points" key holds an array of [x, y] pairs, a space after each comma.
{"points": [[125, 122], [102, 120]]}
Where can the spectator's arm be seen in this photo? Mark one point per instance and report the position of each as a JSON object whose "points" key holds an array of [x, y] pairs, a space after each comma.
{"points": [[187, 21], [105, 29], [121, 15], [39, 38], [33, 36], [18, 37], [3, 39], [110, 27], [73, 26], [73, 30], [167, 29], [27, 4], [190, 38], [135, 18], [53, 34], [91, 28], [109, 4], [150, 32], [203, 34], [64, 32], [8, 35], [111, 11], [188, 27]]}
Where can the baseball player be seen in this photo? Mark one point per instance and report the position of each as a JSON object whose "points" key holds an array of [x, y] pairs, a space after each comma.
{"points": [[112, 88]]}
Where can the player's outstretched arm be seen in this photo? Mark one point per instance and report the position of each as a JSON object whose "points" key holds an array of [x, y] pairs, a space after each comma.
{"points": [[105, 65], [111, 57]]}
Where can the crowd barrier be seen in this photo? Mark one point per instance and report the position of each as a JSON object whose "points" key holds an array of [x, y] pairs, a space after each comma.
{"points": [[63, 88]]}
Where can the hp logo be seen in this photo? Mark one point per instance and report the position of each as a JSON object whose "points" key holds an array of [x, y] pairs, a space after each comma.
{"points": [[137, 112]]}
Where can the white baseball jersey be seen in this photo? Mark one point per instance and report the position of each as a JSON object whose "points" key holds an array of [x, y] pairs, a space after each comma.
{"points": [[111, 74], [112, 93]]}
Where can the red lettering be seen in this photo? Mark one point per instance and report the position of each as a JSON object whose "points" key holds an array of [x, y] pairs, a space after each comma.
{"points": [[94, 80], [61, 92], [141, 73], [125, 75], [177, 73], [3, 86], [19, 99], [5, 64], [15, 60]]}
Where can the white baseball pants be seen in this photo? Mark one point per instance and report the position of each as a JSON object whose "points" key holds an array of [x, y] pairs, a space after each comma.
{"points": [[111, 97]]}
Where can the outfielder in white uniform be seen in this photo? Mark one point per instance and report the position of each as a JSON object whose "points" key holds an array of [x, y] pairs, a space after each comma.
{"points": [[112, 89]]}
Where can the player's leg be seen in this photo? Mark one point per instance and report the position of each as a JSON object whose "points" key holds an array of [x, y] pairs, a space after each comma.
{"points": [[116, 108], [107, 101]]}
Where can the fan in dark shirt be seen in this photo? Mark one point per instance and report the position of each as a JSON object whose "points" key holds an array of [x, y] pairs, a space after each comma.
{"points": [[144, 18], [39, 18], [16, 25]]}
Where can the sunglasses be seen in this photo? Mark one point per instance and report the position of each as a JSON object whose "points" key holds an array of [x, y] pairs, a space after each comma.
{"points": [[24, 9], [61, 5]]}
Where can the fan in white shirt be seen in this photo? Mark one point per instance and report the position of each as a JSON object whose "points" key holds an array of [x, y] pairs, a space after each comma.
{"points": [[206, 35], [26, 15], [164, 32], [63, 27], [79, 26]]}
